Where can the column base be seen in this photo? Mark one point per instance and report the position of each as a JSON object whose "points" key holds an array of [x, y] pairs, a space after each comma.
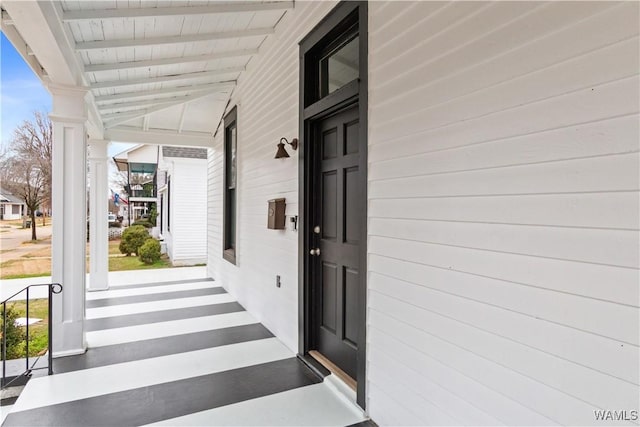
{"points": [[106, 288], [65, 353]]}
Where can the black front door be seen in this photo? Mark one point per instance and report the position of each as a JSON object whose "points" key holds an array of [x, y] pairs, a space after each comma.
{"points": [[337, 212]]}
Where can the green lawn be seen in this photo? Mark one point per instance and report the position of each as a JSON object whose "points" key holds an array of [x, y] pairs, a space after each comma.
{"points": [[25, 276], [114, 247], [133, 263], [38, 332]]}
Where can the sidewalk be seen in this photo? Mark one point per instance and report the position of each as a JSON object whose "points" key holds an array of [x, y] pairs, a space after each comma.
{"points": [[11, 286]]}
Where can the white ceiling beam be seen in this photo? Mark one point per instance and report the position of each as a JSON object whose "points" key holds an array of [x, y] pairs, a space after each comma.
{"points": [[189, 38], [165, 79], [145, 123], [220, 87], [103, 107], [119, 120], [9, 30], [6, 19], [106, 109], [116, 66], [182, 117], [150, 12], [158, 136], [123, 114]]}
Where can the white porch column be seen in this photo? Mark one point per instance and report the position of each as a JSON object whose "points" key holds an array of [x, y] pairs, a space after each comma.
{"points": [[98, 220], [69, 211]]}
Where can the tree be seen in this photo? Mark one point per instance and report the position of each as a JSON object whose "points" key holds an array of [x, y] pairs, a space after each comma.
{"points": [[27, 166], [26, 180]]}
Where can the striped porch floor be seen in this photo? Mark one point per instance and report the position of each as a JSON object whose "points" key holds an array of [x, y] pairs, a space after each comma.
{"points": [[178, 353]]}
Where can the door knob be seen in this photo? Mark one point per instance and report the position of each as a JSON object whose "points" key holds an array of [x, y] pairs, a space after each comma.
{"points": [[315, 251]]}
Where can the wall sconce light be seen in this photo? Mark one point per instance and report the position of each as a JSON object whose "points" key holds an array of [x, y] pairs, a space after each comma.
{"points": [[282, 152]]}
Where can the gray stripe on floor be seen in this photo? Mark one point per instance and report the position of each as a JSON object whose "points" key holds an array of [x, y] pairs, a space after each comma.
{"points": [[119, 353], [160, 316], [133, 299], [169, 400]]}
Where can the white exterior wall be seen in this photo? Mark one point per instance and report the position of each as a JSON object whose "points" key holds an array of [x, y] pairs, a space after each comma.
{"points": [[267, 101], [187, 239], [503, 207], [503, 212], [8, 211]]}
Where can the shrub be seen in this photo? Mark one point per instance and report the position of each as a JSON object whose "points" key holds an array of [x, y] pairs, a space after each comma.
{"points": [[143, 222], [15, 335], [132, 238], [153, 214], [150, 251]]}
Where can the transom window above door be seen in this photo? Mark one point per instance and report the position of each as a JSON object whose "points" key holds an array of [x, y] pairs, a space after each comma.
{"points": [[340, 66]]}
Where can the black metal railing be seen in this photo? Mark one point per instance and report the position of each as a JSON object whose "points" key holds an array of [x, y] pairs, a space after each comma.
{"points": [[53, 288]]}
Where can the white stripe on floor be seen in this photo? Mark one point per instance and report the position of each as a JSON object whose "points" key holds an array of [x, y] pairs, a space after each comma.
{"points": [[169, 328], [66, 387], [147, 307], [314, 405], [4, 411], [117, 293]]}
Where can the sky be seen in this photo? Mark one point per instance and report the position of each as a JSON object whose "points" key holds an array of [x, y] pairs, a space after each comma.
{"points": [[22, 93]]}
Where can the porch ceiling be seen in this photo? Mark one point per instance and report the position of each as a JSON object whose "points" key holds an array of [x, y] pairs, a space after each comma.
{"points": [[164, 65]]}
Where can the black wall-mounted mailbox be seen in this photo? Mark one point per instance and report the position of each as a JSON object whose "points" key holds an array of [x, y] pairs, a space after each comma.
{"points": [[276, 214]]}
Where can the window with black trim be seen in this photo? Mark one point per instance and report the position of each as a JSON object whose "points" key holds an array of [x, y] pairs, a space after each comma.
{"points": [[333, 62], [339, 64], [169, 204], [230, 181], [161, 213]]}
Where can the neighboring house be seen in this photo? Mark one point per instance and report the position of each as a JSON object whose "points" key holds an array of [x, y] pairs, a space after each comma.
{"points": [[465, 185], [141, 160], [174, 179], [182, 197], [11, 207]]}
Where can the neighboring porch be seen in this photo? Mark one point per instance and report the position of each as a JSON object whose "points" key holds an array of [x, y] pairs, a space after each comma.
{"points": [[173, 347]]}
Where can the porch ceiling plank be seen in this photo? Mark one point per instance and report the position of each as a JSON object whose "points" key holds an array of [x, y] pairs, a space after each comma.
{"points": [[164, 79], [122, 119], [116, 66], [182, 116], [158, 136], [189, 38], [179, 89], [119, 13]]}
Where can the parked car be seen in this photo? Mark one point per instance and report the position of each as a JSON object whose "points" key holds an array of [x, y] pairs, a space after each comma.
{"points": [[112, 218]]}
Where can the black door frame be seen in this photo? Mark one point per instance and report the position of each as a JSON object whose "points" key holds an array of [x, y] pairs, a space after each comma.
{"points": [[311, 109]]}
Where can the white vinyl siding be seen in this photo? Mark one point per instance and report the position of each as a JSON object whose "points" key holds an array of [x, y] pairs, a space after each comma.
{"points": [[267, 101], [11, 212], [503, 207], [186, 239], [503, 212]]}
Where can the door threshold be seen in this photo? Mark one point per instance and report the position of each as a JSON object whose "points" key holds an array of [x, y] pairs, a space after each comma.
{"points": [[339, 373]]}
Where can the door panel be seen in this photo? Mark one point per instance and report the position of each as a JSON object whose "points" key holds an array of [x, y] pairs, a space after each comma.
{"points": [[338, 212]]}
